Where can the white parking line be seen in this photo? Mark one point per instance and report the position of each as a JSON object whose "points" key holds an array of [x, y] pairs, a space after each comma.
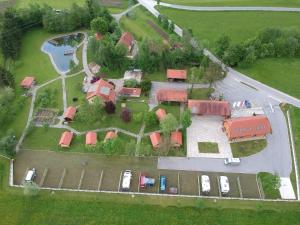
{"points": [[271, 107], [139, 182], [219, 187], [100, 181], [81, 178], [239, 186], [120, 182], [199, 188], [158, 182], [178, 183], [43, 177], [62, 178]]}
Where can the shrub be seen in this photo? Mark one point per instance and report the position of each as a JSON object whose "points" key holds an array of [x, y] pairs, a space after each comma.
{"points": [[110, 107], [126, 115], [131, 83], [150, 118]]}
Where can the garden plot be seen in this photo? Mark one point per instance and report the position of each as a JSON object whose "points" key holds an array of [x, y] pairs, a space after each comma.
{"points": [[45, 116]]}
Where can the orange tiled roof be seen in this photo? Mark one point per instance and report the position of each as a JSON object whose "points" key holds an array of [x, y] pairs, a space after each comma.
{"points": [[155, 139], [131, 92], [172, 95], [27, 82], [245, 127], [176, 138], [126, 39], [91, 138], [70, 113], [176, 74], [66, 139], [102, 89], [160, 113], [203, 107], [110, 135]]}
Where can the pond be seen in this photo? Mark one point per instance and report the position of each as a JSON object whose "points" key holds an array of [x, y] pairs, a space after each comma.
{"points": [[62, 50]]}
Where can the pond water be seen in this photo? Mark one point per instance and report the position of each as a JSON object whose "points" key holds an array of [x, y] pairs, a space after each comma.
{"points": [[62, 50]]}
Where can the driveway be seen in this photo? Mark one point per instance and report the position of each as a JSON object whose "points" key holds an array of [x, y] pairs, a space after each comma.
{"points": [[207, 129]]}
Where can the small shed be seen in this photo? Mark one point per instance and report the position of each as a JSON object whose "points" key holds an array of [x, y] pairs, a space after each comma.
{"points": [[160, 113], [135, 74], [176, 139], [172, 95], [155, 139], [91, 138], [130, 92], [70, 113], [110, 135], [28, 82], [66, 139], [176, 75]]}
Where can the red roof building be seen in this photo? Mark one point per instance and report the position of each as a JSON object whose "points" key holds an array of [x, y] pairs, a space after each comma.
{"points": [[160, 113], [203, 107], [91, 138], [247, 127], [70, 113], [176, 74], [65, 139], [102, 89], [127, 40], [110, 135], [130, 92], [176, 138], [155, 139], [98, 36], [27, 82], [171, 95]]}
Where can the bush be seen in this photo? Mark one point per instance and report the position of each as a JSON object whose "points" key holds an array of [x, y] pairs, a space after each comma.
{"points": [[126, 115], [270, 184], [150, 119], [110, 107], [31, 189], [146, 86], [131, 83]]}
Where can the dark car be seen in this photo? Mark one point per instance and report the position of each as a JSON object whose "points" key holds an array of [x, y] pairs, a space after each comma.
{"points": [[163, 183]]}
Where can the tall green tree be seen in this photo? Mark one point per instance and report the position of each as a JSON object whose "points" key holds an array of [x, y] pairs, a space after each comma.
{"points": [[6, 78], [168, 123], [100, 25], [186, 119]]}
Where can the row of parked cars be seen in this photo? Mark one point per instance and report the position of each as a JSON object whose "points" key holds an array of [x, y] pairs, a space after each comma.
{"points": [[146, 181]]}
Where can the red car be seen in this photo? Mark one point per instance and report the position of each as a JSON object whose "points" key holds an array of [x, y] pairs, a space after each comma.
{"points": [[146, 181]]}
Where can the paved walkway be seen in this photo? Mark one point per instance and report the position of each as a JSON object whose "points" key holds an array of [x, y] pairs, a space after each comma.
{"points": [[119, 16], [207, 129], [230, 8]]}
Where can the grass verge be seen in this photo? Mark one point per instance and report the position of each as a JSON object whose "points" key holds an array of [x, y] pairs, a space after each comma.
{"points": [[208, 147], [246, 148]]}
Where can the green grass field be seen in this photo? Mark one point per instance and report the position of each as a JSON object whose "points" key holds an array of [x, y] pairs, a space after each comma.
{"points": [[54, 3], [208, 147], [286, 3], [246, 148], [73, 88], [32, 60], [280, 73], [138, 26]]}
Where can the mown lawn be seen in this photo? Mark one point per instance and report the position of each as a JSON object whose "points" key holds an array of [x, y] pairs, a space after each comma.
{"points": [[74, 89], [270, 184], [137, 24], [200, 93], [239, 26], [280, 73], [32, 61], [286, 3], [208, 147], [58, 4], [246, 148], [56, 96], [114, 120], [99, 208], [47, 139]]}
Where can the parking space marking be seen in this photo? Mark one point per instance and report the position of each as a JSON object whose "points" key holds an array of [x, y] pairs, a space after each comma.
{"points": [[120, 182], [258, 187], [199, 188], [43, 177], [81, 178], [62, 178], [178, 183], [239, 186], [100, 180], [219, 186]]}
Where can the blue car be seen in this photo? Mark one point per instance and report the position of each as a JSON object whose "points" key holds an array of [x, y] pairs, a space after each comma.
{"points": [[163, 183], [247, 104]]}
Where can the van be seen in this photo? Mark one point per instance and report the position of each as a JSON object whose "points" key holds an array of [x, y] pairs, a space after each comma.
{"points": [[127, 176], [30, 176], [205, 184], [232, 161], [224, 185], [163, 183]]}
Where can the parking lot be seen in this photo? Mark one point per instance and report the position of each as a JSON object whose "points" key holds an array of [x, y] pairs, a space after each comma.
{"points": [[100, 173]]}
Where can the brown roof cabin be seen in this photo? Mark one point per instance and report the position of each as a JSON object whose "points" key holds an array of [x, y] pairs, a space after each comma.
{"points": [[172, 95], [91, 138], [28, 82], [176, 139], [239, 129], [66, 139], [70, 113], [160, 113], [204, 107], [155, 139], [176, 75], [110, 135]]}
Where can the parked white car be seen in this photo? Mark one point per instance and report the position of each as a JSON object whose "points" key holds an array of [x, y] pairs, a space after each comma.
{"points": [[127, 176], [205, 184], [30, 176], [232, 161], [224, 185]]}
